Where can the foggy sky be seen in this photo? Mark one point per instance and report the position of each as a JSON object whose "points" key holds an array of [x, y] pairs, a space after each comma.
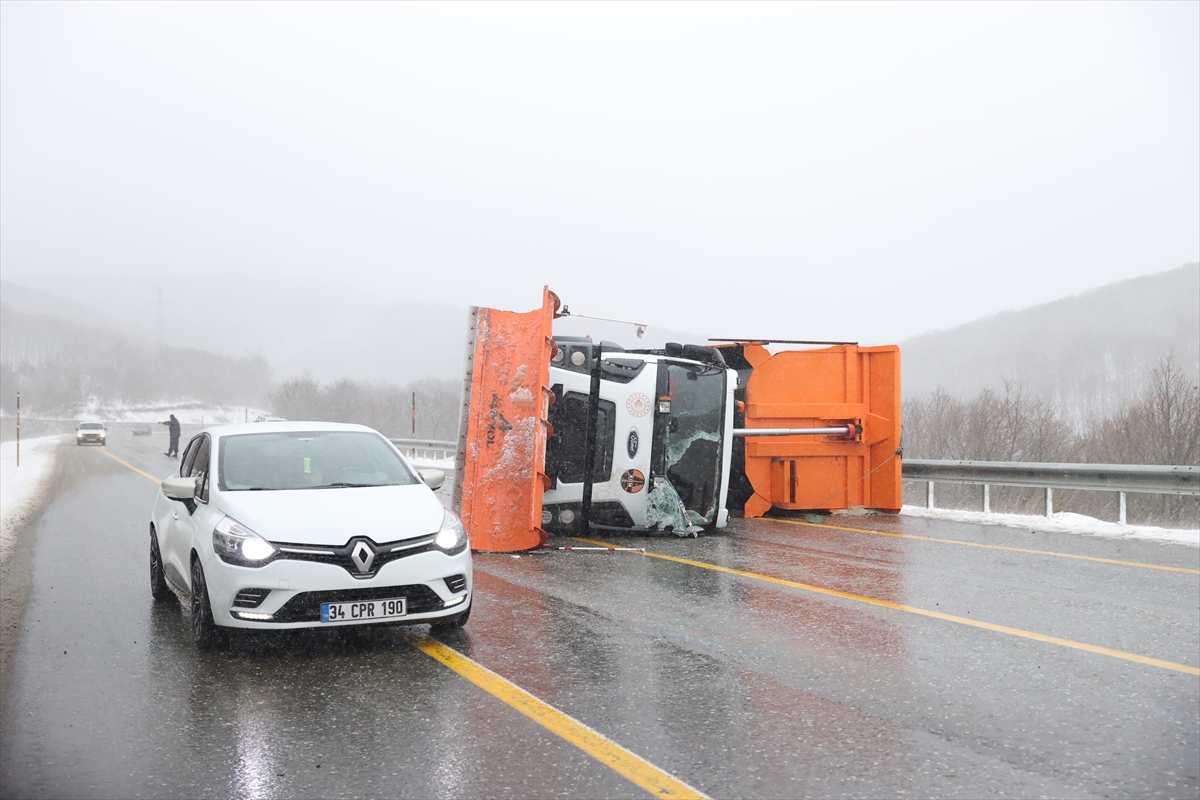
{"points": [[855, 171]]}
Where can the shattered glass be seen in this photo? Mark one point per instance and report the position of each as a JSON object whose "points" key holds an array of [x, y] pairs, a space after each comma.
{"points": [[665, 511], [692, 439]]}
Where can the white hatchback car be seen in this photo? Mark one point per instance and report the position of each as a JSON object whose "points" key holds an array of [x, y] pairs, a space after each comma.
{"points": [[305, 524]]}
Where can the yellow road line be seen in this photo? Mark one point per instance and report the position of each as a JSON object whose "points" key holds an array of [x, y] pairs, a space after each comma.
{"points": [[992, 546], [1091, 648], [599, 747], [131, 466]]}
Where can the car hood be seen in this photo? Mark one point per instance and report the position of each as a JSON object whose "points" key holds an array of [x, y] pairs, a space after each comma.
{"points": [[333, 516]]}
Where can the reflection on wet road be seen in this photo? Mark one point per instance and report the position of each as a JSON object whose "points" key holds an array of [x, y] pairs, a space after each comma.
{"points": [[725, 682]]}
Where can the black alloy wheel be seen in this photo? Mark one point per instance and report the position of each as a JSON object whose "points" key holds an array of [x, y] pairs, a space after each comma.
{"points": [[206, 632], [449, 623], [158, 581]]}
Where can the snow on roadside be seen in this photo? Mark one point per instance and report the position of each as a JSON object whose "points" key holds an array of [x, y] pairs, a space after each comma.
{"points": [[1061, 522], [23, 488], [444, 464], [188, 412]]}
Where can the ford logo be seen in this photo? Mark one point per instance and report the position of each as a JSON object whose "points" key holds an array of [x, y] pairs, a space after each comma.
{"points": [[631, 444]]}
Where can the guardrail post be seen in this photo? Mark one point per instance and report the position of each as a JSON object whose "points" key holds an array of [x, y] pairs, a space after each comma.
{"points": [[929, 495], [1122, 516], [1049, 502], [987, 499]]}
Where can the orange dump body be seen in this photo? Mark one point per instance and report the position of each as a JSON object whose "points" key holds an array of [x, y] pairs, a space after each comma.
{"points": [[502, 438], [828, 387]]}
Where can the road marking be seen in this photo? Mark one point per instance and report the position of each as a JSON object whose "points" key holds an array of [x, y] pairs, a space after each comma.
{"points": [[131, 466], [993, 546], [598, 746], [1091, 648]]}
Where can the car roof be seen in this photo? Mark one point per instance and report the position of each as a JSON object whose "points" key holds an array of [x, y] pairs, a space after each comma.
{"points": [[241, 428]]}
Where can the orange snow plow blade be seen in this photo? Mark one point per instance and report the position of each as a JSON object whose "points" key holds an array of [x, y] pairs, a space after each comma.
{"points": [[502, 435], [833, 386]]}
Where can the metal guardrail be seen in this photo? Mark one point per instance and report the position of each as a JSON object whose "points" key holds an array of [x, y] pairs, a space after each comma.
{"points": [[436, 449], [1148, 479]]}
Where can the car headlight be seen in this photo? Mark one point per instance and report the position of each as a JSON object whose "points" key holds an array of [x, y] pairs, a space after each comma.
{"points": [[78, 434], [452, 537], [102, 434], [234, 543]]}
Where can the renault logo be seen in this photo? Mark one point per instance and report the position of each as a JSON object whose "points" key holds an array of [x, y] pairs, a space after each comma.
{"points": [[363, 556]]}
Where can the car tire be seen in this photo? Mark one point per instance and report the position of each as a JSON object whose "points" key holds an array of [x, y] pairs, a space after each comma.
{"points": [[158, 581], [206, 632], [449, 623]]}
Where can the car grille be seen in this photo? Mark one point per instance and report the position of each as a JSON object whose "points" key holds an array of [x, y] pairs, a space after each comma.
{"points": [[344, 556], [306, 606], [456, 583], [250, 598]]}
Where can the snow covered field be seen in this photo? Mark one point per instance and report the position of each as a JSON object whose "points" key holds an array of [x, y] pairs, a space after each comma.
{"points": [[1062, 522], [188, 412], [22, 488]]}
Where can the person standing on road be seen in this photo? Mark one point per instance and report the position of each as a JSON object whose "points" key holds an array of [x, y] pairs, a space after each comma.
{"points": [[173, 429]]}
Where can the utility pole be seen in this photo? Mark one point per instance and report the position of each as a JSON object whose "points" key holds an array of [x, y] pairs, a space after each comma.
{"points": [[18, 429], [414, 415]]}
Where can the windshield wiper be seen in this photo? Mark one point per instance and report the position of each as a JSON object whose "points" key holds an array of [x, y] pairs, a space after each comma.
{"points": [[347, 485]]}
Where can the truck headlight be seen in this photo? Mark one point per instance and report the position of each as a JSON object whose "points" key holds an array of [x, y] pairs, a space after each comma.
{"points": [[236, 544], [452, 538]]}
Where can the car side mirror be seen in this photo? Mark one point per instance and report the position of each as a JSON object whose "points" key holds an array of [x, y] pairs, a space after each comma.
{"points": [[179, 488], [433, 478]]}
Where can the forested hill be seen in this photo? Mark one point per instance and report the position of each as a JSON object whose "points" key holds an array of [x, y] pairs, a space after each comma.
{"points": [[60, 366], [1088, 353]]}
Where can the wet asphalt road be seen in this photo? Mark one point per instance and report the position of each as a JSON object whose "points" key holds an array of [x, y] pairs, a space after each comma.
{"points": [[735, 685]]}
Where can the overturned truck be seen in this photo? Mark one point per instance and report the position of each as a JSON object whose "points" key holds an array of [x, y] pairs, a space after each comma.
{"points": [[568, 435]]}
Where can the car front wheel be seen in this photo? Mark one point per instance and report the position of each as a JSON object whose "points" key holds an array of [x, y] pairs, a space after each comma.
{"points": [[206, 632], [158, 582], [449, 623]]}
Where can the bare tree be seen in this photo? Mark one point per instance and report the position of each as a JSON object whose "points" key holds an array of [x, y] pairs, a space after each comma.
{"points": [[1161, 425], [384, 406]]}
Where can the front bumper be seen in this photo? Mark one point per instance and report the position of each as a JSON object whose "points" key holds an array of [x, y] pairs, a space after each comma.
{"points": [[90, 439], [296, 589]]}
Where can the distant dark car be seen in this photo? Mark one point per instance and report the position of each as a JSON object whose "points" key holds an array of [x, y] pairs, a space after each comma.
{"points": [[90, 433], [141, 429]]}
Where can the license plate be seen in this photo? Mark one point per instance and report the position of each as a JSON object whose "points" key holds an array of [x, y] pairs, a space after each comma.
{"points": [[364, 610]]}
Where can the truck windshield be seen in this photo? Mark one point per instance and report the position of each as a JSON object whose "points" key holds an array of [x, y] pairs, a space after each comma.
{"points": [[691, 437]]}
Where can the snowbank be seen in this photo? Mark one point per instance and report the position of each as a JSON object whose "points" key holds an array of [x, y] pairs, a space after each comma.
{"points": [[23, 488], [1062, 522], [444, 464]]}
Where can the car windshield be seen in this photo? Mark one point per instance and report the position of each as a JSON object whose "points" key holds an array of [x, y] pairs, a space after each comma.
{"points": [[91, 426], [309, 460], [691, 438]]}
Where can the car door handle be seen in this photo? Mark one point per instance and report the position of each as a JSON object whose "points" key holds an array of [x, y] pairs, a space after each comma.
{"points": [[174, 515]]}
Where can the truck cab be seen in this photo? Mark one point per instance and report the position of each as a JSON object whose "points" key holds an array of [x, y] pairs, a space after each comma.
{"points": [[663, 437]]}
